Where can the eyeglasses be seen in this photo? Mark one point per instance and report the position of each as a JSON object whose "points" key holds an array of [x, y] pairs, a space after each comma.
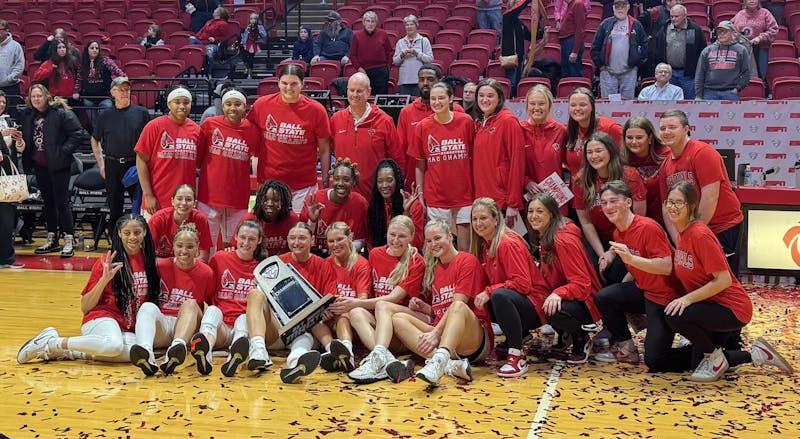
{"points": [[678, 204]]}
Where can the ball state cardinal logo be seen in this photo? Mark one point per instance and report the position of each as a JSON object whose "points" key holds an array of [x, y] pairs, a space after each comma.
{"points": [[792, 241], [227, 280], [433, 144], [167, 142], [270, 125], [217, 139]]}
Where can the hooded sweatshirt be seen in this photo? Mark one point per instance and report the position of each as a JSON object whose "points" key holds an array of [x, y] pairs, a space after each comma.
{"points": [[304, 50], [12, 61], [544, 149], [722, 67], [499, 160]]}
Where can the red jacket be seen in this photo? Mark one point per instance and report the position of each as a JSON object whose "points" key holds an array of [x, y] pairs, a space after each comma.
{"points": [[65, 85], [375, 139], [571, 275], [371, 51], [217, 28], [545, 150], [498, 160]]}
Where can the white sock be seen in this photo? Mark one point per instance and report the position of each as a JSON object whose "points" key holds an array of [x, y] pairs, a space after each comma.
{"points": [[240, 327], [381, 349], [299, 346], [513, 351], [348, 344], [257, 342], [212, 318], [178, 341], [328, 347], [442, 354], [54, 344]]}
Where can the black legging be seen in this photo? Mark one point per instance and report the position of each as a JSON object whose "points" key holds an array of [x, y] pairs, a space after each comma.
{"points": [[515, 314], [708, 325], [572, 316], [55, 194]]}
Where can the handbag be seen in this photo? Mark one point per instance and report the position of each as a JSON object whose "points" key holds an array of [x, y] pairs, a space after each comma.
{"points": [[509, 62], [14, 187]]}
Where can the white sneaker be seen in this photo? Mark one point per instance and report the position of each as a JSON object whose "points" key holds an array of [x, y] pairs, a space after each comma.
{"points": [[711, 367], [460, 369], [496, 329], [547, 330], [371, 369], [433, 370], [36, 348], [258, 358], [764, 354], [682, 342]]}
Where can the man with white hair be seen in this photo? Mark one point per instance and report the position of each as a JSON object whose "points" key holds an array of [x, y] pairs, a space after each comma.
{"points": [[662, 90], [371, 53], [679, 44]]}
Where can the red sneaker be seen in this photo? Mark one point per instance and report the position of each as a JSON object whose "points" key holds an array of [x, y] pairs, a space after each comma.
{"points": [[515, 365]]}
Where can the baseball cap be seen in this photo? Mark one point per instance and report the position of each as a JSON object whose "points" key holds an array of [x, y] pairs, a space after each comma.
{"points": [[119, 80], [726, 24], [333, 15], [627, 2]]}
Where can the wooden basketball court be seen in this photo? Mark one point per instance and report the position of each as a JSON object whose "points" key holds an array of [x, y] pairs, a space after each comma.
{"points": [[594, 400]]}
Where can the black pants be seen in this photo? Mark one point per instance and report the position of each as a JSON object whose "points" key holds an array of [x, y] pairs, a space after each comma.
{"points": [[708, 325], [379, 80], [613, 302], [614, 273], [515, 314], [573, 314], [115, 190], [55, 194], [7, 223], [729, 239]]}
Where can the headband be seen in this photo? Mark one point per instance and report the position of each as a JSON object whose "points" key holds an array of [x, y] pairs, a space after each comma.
{"points": [[179, 92], [233, 94]]}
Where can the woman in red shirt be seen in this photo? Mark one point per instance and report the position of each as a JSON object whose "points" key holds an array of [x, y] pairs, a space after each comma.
{"points": [[273, 210], [545, 139], [602, 163], [583, 122], [60, 73], [715, 304], [515, 288], [354, 280], [120, 282], [186, 284], [165, 223], [388, 200], [568, 273], [645, 152], [498, 155]]}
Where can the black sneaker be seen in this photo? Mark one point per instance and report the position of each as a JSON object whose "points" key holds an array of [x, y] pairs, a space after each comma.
{"points": [[141, 359], [580, 351], [343, 356], [239, 350], [400, 371], [200, 348], [305, 365], [328, 362], [176, 355]]}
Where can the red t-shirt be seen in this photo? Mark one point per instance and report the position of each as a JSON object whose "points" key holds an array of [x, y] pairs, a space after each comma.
{"points": [[172, 152], [373, 140], [462, 275], [163, 228], [107, 304], [648, 170], [571, 274], [316, 271], [574, 161], [353, 212], [605, 229], [233, 278], [498, 160], [545, 150], [646, 238], [410, 116], [224, 162], [179, 285], [290, 135], [382, 265], [447, 151], [702, 165], [353, 282], [698, 256], [274, 233]]}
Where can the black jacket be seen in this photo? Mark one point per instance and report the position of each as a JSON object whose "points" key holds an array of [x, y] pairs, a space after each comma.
{"points": [[694, 47], [637, 48], [62, 136]]}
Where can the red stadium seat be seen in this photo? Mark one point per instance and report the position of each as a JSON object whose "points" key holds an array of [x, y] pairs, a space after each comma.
{"points": [[755, 90], [782, 49], [350, 13], [35, 26], [114, 26], [475, 52], [178, 39], [786, 88], [145, 92], [383, 11], [568, 85], [461, 24], [59, 14], [129, 52], [506, 84], [526, 84], [468, 11], [469, 69], [445, 54], [436, 11], [169, 69], [403, 11], [325, 70], [139, 68], [494, 70], [137, 14], [171, 26], [430, 25], [268, 86], [484, 37], [780, 67], [122, 38], [395, 24], [160, 53], [450, 37], [315, 83]]}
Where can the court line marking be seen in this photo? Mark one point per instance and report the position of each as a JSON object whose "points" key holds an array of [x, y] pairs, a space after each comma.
{"points": [[544, 403]]}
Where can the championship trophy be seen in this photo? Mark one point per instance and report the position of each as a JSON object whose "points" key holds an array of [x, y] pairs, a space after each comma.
{"points": [[296, 305]]}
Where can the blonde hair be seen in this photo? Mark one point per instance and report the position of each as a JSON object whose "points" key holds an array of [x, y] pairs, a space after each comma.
{"points": [[400, 272], [431, 262], [476, 243], [345, 229]]}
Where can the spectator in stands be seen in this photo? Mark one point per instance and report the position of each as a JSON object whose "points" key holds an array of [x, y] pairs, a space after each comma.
{"points": [[662, 90], [201, 11], [54, 134], [371, 53], [333, 42], [11, 144], [113, 140], [224, 161], [410, 53], [364, 133], [679, 44], [653, 19], [296, 132], [213, 32], [468, 96], [723, 69], [166, 153], [12, 64], [59, 73], [303, 48], [560, 10], [760, 28], [43, 52], [514, 35], [252, 37], [152, 37], [490, 16], [95, 75], [608, 7], [571, 37], [216, 108], [619, 47]]}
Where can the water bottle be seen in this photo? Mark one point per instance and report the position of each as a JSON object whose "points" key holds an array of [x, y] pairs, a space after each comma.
{"points": [[797, 174]]}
